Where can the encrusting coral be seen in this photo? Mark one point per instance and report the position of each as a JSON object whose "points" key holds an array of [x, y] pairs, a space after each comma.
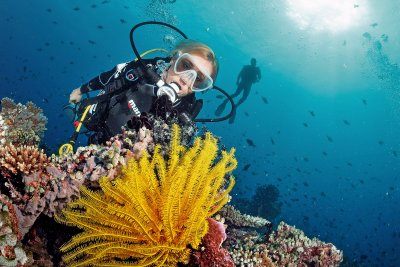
{"points": [[234, 217], [288, 246], [11, 252], [154, 211]]}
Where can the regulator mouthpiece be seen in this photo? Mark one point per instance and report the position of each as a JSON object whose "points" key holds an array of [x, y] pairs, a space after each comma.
{"points": [[171, 90]]}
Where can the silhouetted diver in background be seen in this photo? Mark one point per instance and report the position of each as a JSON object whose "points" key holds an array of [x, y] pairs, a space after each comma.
{"points": [[247, 76]]}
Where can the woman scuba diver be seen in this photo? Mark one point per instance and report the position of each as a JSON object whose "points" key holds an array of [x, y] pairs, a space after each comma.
{"points": [[133, 87]]}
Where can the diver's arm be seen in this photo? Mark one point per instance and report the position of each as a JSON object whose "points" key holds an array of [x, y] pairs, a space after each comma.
{"points": [[100, 81], [258, 74], [96, 83], [239, 76]]}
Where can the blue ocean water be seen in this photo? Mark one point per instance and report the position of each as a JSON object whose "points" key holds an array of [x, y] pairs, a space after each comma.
{"points": [[324, 119]]}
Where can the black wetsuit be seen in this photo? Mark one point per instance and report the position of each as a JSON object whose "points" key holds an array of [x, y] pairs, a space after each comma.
{"points": [[125, 98]]}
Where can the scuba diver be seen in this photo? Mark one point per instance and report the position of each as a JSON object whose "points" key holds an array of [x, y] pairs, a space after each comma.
{"points": [[145, 86], [247, 76], [191, 68]]}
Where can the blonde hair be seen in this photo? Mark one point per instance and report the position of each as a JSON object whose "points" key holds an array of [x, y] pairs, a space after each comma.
{"points": [[199, 49]]}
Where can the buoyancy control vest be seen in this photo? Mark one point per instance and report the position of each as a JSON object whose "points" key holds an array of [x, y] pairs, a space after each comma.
{"points": [[124, 95]]}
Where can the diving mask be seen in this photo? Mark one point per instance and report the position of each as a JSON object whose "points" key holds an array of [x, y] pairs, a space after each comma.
{"points": [[192, 73]]}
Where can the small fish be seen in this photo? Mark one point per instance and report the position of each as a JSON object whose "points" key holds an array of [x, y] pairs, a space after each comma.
{"points": [[306, 159], [355, 5], [45, 100], [346, 122], [394, 152], [93, 6], [329, 138], [246, 167], [344, 43], [272, 141], [105, 2], [364, 101], [381, 142], [367, 35], [48, 10], [324, 153], [323, 194], [385, 37], [250, 142], [264, 99], [76, 9], [305, 124], [311, 113], [247, 114], [122, 21], [374, 24], [305, 183], [92, 42], [349, 164], [100, 27]]}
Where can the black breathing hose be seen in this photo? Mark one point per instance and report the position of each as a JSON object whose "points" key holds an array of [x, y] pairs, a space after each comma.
{"points": [[225, 117], [154, 77]]}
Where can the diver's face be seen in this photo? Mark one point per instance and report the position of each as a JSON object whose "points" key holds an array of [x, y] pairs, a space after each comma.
{"points": [[186, 89]]}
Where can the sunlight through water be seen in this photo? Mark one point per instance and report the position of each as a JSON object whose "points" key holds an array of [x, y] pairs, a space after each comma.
{"points": [[327, 15]]}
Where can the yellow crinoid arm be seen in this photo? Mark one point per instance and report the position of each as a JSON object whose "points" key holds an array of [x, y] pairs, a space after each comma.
{"points": [[157, 206]]}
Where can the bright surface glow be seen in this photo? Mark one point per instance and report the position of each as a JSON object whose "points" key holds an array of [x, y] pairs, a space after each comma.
{"points": [[331, 15]]}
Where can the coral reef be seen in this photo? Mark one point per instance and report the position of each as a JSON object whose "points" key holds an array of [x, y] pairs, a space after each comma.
{"points": [[154, 210], [247, 248], [34, 188], [11, 252], [235, 218], [21, 124], [49, 189], [288, 245]]}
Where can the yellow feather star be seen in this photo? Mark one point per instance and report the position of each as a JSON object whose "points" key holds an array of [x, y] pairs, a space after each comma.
{"points": [[154, 210]]}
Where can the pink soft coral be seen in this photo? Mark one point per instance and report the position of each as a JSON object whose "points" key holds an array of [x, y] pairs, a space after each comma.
{"points": [[213, 254]]}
